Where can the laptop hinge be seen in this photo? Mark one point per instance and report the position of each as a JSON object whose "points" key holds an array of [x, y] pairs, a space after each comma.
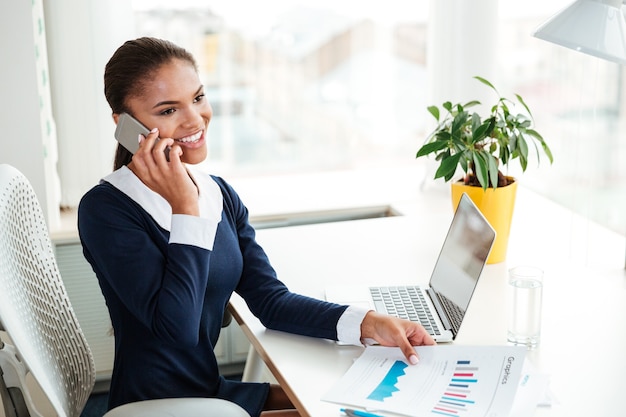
{"points": [[440, 310]]}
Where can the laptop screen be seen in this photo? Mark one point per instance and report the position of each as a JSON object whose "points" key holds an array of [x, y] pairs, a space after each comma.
{"points": [[463, 255]]}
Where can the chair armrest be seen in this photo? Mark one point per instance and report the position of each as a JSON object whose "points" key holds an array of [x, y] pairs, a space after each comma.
{"points": [[179, 407]]}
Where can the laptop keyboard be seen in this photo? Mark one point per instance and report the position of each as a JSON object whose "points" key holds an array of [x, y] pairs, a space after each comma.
{"points": [[454, 312], [406, 302]]}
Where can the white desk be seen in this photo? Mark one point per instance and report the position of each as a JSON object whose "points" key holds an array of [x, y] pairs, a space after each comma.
{"points": [[586, 366]]}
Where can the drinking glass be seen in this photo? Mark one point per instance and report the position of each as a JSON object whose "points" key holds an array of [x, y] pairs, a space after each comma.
{"points": [[525, 298]]}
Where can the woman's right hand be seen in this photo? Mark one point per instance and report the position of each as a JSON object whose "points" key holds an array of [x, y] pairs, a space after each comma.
{"points": [[392, 331], [169, 179]]}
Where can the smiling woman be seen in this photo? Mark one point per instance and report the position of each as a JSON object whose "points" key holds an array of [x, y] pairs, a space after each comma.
{"points": [[174, 102], [170, 244]]}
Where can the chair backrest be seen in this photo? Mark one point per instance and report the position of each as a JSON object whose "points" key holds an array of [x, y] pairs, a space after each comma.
{"points": [[35, 310]]}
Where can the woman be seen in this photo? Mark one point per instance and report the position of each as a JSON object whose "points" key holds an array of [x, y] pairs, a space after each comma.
{"points": [[169, 245]]}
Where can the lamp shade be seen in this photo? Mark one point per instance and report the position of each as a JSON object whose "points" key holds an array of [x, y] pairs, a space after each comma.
{"points": [[595, 27]]}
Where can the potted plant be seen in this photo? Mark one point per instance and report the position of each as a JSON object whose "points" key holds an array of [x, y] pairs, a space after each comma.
{"points": [[482, 147]]}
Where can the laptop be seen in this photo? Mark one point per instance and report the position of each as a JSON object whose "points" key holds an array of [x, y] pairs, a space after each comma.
{"points": [[441, 306]]}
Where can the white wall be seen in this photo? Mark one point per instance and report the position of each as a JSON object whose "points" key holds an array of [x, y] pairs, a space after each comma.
{"points": [[27, 140], [52, 89]]}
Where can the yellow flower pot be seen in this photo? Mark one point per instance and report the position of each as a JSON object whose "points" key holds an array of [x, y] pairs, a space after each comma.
{"points": [[497, 207]]}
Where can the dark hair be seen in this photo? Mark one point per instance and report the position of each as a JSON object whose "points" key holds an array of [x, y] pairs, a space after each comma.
{"points": [[127, 72]]}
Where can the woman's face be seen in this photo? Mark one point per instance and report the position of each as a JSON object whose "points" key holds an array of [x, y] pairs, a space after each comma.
{"points": [[173, 101]]}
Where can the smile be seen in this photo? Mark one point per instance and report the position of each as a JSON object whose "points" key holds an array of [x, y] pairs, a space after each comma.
{"points": [[191, 138]]}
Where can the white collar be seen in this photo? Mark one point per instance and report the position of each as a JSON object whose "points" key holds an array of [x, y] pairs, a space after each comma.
{"points": [[210, 195]]}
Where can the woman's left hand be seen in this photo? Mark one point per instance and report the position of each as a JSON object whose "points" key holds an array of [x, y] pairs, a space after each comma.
{"points": [[392, 331]]}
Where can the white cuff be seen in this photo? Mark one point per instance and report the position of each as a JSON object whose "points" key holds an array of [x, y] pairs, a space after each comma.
{"points": [[349, 325], [193, 230]]}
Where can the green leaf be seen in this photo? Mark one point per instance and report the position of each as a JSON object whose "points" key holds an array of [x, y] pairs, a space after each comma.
{"points": [[447, 105], [434, 110], [444, 136], [521, 100], [480, 132], [493, 169], [458, 123], [545, 147], [463, 162], [504, 108], [513, 144], [523, 152], [447, 168], [487, 83], [471, 103], [481, 171], [449, 176], [505, 155], [431, 147]]}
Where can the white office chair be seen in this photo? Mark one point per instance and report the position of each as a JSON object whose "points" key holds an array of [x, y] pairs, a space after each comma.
{"points": [[48, 342]]}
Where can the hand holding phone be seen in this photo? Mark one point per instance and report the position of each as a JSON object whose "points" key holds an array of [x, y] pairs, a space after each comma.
{"points": [[128, 130]]}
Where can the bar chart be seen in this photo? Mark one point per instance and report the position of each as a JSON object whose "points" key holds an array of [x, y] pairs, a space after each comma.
{"points": [[457, 398]]}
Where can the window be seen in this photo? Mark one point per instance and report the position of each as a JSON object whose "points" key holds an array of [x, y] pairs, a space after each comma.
{"points": [[304, 86], [577, 101], [301, 86]]}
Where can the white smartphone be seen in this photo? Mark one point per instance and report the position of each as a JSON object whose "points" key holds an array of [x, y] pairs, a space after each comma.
{"points": [[127, 133]]}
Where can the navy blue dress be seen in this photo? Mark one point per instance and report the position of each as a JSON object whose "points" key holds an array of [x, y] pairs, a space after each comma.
{"points": [[166, 297]]}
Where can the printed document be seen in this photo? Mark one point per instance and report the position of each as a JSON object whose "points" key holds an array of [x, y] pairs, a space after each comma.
{"points": [[448, 381]]}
